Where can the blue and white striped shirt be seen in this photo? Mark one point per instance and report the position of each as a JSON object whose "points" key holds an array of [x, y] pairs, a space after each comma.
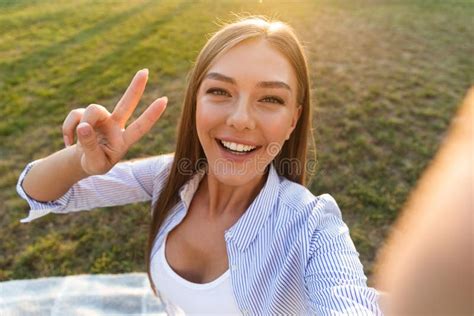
{"points": [[289, 253]]}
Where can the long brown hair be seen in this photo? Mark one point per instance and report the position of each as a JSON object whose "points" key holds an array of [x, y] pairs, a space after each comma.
{"points": [[188, 147]]}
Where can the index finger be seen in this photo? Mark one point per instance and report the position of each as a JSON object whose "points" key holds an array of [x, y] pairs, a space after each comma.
{"points": [[127, 104]]}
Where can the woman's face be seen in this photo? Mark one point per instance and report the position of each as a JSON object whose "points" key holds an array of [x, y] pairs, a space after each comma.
{"points": [[246, 110]]}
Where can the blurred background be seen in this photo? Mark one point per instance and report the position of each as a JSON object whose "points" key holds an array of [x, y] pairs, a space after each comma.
{"points": [[387, 77]]}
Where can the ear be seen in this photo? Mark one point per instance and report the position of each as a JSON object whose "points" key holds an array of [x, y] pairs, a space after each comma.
{"points": [[294, 121]]}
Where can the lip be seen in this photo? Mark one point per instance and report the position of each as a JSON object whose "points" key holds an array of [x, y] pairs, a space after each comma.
{"points": [[238, 141], [235, 157]]}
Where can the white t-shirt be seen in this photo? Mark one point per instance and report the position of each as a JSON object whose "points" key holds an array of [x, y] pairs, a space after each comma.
{"points": [[215, 297]]}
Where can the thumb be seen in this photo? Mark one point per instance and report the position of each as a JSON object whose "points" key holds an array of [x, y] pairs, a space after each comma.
{"points": [[88, 139]]}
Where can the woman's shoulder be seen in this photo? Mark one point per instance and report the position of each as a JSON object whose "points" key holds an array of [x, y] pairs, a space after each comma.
{"points": [[305, 218], [154, 165], [164, 162], [151, 172], [301, 199], [162, 166], [300, 202]]}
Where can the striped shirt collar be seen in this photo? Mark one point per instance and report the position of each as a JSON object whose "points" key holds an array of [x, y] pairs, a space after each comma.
{"points": [[244, 231]]}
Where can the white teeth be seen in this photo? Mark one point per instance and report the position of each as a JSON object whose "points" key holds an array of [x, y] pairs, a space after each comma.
{"points": [[237, 147]]}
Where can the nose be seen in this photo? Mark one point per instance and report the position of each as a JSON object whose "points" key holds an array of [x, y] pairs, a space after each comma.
{"points": [[241, 117]]}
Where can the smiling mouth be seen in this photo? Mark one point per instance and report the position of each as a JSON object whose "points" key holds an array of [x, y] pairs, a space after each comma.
{"points": [[236, 148]]}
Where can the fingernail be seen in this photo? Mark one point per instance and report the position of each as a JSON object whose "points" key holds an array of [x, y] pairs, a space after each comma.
{"points": [[145, 70], [66, 140], [83, 129]]}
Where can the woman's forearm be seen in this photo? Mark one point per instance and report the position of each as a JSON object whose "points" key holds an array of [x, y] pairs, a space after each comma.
{"points": [[51, 177]]}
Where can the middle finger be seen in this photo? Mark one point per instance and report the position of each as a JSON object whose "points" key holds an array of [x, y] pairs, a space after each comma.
{"points": [[130, 98]]}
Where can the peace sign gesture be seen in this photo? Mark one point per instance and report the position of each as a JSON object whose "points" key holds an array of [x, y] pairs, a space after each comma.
{"points": [[102, 137]]}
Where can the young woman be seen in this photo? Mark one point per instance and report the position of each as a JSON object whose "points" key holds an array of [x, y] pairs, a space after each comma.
{"points": [[233, 228]]}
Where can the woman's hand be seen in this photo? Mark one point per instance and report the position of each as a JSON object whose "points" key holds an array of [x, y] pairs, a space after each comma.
{"points": [[102, 139]]}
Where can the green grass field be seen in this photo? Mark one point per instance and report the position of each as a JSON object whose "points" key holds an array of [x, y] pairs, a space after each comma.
{"points": [[387, 77]]}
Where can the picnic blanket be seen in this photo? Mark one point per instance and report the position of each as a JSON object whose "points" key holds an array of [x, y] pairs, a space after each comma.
{"points": [[101, 294]]}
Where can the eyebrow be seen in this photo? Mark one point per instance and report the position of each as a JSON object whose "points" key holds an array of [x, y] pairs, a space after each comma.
{"points": [[262, 84]]}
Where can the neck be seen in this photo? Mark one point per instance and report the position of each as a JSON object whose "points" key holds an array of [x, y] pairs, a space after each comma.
{"points": [[229, 200]]}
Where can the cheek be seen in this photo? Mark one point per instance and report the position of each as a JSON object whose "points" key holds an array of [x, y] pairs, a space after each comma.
{"points": [[276, 126], [206, 118], [200, 117]]}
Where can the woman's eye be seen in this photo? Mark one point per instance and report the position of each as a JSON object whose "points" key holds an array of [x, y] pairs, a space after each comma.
{"points": [[218, 91], [273, 99]]}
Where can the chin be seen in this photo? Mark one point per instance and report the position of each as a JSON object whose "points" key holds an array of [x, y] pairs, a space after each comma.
{"points": [[233, 177]]}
